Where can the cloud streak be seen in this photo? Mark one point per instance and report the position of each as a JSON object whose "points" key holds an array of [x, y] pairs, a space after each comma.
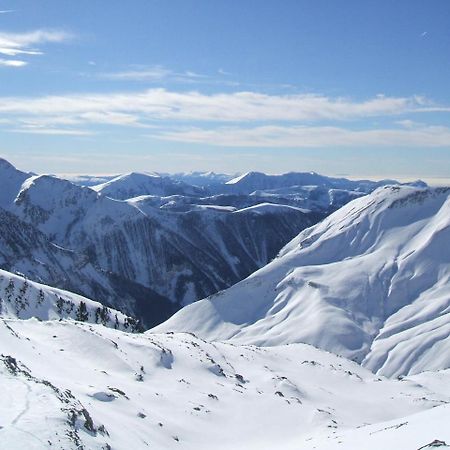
{"points": [[312, 137], [154, 74], [13, 44]]}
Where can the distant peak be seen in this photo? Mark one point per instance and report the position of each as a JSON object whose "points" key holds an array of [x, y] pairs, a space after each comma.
{"points": [[244, 176], [137, 175]]}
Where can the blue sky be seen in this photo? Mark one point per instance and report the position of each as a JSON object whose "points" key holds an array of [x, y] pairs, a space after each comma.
{"points": [[356, 87]]}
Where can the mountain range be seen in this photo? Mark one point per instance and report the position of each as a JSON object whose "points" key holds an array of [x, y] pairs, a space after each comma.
{"points": [[148, 244], [325, 322]]}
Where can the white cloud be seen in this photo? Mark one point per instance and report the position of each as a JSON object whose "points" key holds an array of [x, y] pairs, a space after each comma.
{"points": [[13, 44], [311, 137], [12, 63], [307, 120], [161, 104]]}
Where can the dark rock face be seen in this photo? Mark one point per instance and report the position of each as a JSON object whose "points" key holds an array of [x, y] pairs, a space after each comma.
{"points": [[181, 256], [26, 250]]}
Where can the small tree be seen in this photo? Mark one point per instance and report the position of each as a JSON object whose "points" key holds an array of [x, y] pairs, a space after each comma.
{"points": [[41, 297], [104, 315], [60, 305], [82, 313]]}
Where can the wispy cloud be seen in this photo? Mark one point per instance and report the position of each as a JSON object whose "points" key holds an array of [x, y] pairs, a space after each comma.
{"points": [[246, 119], [224, 72], [155, 73], [13, 44], [52, 131], [312, 137]]}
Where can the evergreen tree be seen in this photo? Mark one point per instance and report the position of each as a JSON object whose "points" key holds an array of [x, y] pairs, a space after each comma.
{"points": [[82, 313]]}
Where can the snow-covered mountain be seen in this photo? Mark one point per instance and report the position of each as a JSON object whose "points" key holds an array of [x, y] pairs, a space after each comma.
{"points": [[145, 256], [135, 184], [22, 298], [370, 282], [300, 189], [68, 385], [149, 255], [258, 181]]}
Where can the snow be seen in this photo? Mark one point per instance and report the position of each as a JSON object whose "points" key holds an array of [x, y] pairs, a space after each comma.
{"points": [[371, 282], [176, 391]]}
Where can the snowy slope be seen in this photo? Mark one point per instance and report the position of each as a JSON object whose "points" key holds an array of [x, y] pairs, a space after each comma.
{"points": [[23, 299], [70, 385], [370, 282]]}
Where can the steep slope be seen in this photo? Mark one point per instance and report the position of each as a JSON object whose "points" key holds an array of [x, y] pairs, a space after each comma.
{"points": [[21, 298], [135, 184], [26, 250], [68, 385], [371, 282]]}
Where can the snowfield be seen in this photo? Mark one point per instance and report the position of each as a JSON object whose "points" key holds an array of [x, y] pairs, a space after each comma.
{"points": [[70, 385]]}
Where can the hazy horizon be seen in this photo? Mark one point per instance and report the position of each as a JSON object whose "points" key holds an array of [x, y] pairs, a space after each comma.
{"points": [[433, 181]]}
